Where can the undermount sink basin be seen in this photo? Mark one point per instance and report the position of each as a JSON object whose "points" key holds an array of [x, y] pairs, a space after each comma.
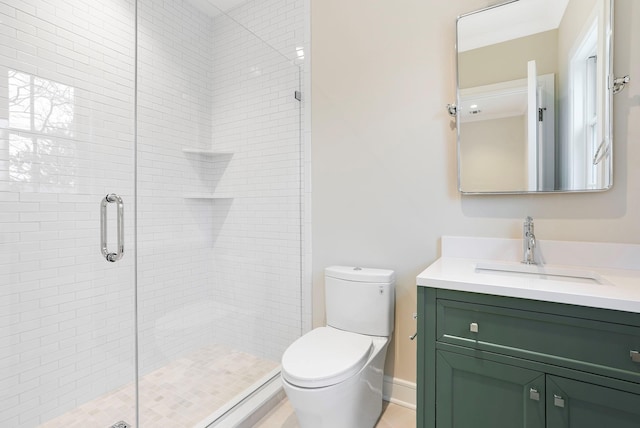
{"points": [[555, 273]]}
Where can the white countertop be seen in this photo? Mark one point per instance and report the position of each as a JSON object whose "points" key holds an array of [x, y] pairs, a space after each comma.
{"points": [[617, 287]]}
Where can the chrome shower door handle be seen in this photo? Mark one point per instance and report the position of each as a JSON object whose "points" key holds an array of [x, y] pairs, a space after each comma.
{"points": [[111, 198]]}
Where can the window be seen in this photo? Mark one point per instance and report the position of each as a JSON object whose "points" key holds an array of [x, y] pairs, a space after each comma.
{"points": [[42, 152]]}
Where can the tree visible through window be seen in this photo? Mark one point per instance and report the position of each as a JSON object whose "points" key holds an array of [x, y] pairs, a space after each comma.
{"points": [[42, 153]]}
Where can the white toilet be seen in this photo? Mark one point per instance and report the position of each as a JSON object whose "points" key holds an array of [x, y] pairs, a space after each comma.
{"points": [[333, 375]]}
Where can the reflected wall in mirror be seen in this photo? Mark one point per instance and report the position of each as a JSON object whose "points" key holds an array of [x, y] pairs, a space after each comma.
{"points": [[533, 100]]}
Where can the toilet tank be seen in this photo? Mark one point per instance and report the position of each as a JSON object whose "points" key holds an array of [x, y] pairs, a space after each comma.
{"points": [[360, 300]]}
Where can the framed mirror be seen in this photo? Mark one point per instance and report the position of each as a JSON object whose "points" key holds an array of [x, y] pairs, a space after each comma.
{"points": [[533, 109]]}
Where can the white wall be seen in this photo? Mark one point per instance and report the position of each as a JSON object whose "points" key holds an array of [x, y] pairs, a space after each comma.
{"points": [[507, 61], [494, 154], [384, 157]]}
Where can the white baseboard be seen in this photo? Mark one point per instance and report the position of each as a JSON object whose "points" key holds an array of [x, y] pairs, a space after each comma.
{"points": [[400, 392]]}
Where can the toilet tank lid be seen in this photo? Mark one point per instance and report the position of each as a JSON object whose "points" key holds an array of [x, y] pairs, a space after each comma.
{"points": [[353, 273]]}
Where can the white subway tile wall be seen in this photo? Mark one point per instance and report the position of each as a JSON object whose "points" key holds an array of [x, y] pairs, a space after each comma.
{"points": [[67, 75], [257, 254], [225, 270], [280, 23], [174, 233], [209, 270]]}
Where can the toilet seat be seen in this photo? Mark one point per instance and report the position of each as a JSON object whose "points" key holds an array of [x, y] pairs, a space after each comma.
{"points": [[325, 356]]}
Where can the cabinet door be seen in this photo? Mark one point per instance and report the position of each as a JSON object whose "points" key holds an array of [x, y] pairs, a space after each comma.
{"points": [[472, 392], [575, 404]]}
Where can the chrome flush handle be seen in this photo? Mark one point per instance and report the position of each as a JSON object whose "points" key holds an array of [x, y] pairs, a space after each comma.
{"points": [[414, 335]]}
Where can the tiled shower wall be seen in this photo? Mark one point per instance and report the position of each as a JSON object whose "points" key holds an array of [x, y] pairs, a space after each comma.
{"points": [[66, 140], [209, 271], [257, 251], [285, 26], [174, 233], [224, 270]]}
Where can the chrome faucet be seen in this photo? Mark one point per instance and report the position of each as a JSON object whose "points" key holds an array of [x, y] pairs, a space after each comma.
{"points": [[528, 242]]}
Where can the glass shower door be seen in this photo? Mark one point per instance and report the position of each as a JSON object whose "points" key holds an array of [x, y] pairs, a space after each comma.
{"points": [[219, 203], [67, 314]]}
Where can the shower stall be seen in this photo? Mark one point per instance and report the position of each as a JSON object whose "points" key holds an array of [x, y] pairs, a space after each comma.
{"points": [[152, 230]]}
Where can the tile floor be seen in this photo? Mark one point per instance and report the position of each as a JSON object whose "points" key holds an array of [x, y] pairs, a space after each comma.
{"points": [[180, 394], [393, 416]]}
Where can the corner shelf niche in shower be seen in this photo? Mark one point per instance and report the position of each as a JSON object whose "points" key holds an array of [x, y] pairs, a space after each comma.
{"points": [[208, 154], [210, 196], [205, 152]]}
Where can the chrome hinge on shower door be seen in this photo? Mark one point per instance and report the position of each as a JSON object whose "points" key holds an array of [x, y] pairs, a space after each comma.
{"points": [[298, 95]]}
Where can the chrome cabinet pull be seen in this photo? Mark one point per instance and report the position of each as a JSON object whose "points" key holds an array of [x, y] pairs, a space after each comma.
{"points": [[558, 401], [111, 198], [635, 356], [534, 394]]}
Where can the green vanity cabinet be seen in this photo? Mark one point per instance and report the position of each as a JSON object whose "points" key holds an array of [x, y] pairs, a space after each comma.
{"points": [[503, 362], [478, 393], [575, 404]]}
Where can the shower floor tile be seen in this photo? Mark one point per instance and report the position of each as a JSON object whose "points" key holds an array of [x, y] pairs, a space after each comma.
{"points": [[179, 394]]}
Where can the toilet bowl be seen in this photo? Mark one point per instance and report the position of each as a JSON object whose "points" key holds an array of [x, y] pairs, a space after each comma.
{"points": [[333, 375]]}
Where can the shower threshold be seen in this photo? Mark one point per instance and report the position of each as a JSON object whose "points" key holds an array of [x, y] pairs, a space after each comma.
{"points": [[249, 407]]}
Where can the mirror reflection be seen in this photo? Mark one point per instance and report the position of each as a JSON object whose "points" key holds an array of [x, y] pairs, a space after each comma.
{"points": [[533, 108]]}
